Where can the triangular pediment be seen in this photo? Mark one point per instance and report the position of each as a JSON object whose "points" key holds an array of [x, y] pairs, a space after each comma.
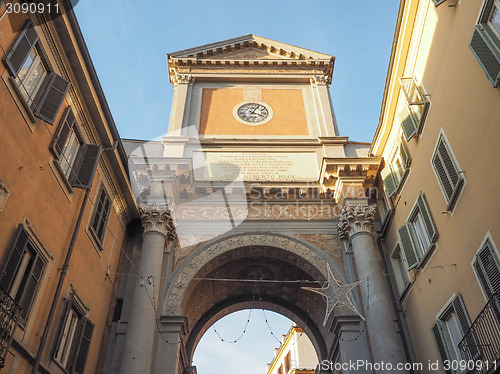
{"points": [[249, 47]]}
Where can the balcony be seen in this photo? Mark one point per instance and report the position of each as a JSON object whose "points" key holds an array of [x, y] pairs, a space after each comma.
{"points": [[481, 343], [9, 317]]}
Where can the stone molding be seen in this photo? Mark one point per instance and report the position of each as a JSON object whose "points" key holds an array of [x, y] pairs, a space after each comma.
{"points": [[356, 219], [157, 218], [182, 79], [320, 79]]}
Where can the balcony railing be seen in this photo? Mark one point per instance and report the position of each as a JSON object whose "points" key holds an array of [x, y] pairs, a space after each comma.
{"points": [[481, 343], [9, 317]]}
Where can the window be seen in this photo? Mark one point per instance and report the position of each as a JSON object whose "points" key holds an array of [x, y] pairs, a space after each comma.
{"points": [[42, 90], [447, 172], [22, 271], [101, 213], [418, 235], [288, 362], [396, 169], [280, 369], [485, 42], [415, 107], [74, 337], [449, 330], [486, 264], [400, 270], [438, 2]]}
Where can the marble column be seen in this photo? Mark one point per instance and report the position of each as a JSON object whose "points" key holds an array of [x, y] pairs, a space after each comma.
{"points": [[355, 228], [137, 355]]}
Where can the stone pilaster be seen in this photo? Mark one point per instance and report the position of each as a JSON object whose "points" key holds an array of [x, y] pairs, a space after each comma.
{"points": [[355, 228], [137, 356]]}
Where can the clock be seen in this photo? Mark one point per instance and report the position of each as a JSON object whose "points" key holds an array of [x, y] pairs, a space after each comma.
{"points": [[251, 113]]}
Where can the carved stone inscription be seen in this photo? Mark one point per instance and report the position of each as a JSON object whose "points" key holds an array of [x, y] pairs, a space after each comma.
{"points": [[258, 166]]}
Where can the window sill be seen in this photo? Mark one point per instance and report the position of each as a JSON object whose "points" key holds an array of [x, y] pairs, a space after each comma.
{"points": [[425, 258]]}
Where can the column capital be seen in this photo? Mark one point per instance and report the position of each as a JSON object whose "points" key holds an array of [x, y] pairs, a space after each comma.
{"points": [[178, 78], [356, 219], [157, 218]]}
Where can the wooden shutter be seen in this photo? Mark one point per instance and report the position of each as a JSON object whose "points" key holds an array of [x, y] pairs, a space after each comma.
{"points": [[20, 50], [404, 156], [427, 217], [67, 310], [51, 98], [83, 346], [85, 166], [487, 267], [486, 53], [29, 292], [408, 246], [67, 123], [389, 180], [11, 266], [407, 123], [440, 343], [438, 2], [464, 321]]}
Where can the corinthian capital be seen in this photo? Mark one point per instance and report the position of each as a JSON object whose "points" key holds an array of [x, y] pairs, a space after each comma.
{"points": [[182, 79], [157, 218], [356, 219]]}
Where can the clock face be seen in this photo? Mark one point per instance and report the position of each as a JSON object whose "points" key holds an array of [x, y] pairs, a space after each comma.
{"points": [[253, 112]]}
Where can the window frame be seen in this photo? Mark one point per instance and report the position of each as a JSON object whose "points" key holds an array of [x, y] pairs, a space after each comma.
{"points": [[411, 121], [485, 44], [73, 351], [400, 267], [457, 188], [100, 239], [46, 100], [393, 178], [447, 348], [412, 248]]}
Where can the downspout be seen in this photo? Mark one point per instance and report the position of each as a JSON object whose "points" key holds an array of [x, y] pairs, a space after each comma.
{"points": [[64, 271]]}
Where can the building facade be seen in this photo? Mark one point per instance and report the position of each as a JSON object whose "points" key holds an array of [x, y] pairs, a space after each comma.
{"points": [[438, 130], [65, 199], [295, 355]]}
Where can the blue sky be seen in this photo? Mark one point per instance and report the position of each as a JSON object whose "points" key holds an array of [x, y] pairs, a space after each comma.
{"points": [[129, 40]]}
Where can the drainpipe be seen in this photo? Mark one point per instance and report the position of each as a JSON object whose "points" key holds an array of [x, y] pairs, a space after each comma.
{"points": [[64, 271]]}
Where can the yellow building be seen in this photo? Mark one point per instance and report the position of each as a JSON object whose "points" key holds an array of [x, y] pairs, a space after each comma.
{"points": [[438, 132], [295, 355], [65, 199]]}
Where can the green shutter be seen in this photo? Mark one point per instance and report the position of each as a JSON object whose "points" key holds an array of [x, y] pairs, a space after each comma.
{"points": [[440, 343], [472, 348], [11, 266], [83, 346], [487, 267], [67, 123], [85, 166], [440, 170], [50, 99], [486, 53], [407, 123], [427, 217], [408, 245], [438, 2], [389, 180], [404, 156], [20, 50]]}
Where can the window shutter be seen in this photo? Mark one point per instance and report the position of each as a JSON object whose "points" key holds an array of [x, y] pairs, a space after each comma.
{"points": [[404, 156], [20, 50], [464, 320], [62, 133], [440, 343], [51, 99], [389, 181], [408, 245], [16, 253], [488, 270], [438, 2], [85, 166], [486, 53], [407, 123], [427, 217], [67, 309], [83, 346], [440, 170], [29, 291]]}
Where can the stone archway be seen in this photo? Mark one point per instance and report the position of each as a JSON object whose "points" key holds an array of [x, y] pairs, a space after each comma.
{"points": [[252, 270]]}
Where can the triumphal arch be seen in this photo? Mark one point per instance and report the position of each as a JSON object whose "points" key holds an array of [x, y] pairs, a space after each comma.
{"points": [[251, 196]]}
